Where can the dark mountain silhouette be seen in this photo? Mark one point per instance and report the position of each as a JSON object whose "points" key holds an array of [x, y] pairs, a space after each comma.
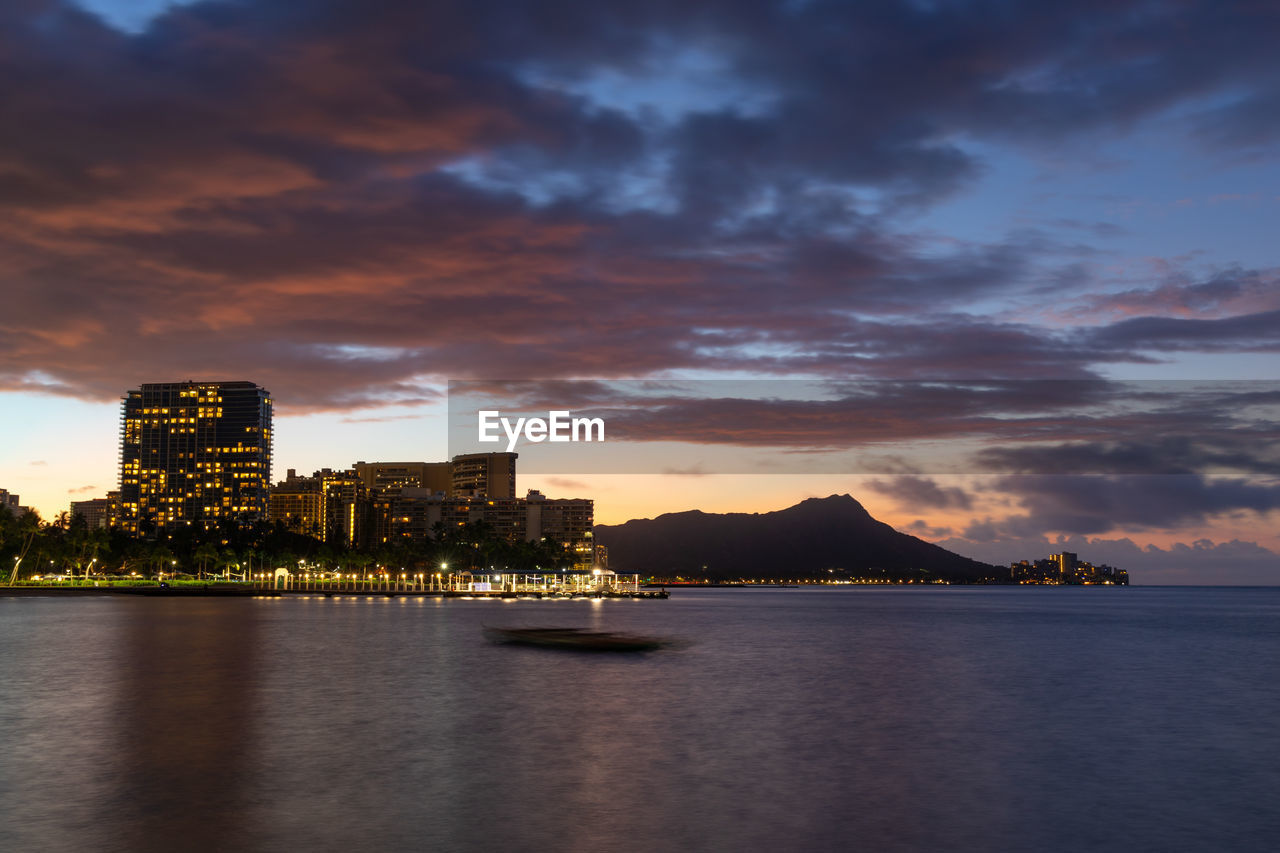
{"points": [[819, 537]]}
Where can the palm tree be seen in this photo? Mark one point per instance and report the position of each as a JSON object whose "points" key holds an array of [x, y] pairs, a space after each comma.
{"points": [[159, 555], [226, 559], [206, 552], [249, 555], [27, 531]]}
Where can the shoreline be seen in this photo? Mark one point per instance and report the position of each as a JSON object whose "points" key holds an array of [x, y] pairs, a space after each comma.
{"points": [[224, 592]]}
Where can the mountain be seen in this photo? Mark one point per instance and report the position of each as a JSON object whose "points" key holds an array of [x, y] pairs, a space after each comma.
{"points": [[819, 537]]}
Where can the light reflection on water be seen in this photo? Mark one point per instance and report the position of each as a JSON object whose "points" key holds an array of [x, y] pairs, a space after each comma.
{"points": [[878, 719]]}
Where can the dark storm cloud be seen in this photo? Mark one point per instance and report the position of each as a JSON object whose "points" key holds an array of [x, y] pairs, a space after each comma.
{"points": [[1097, 504], [347, 201], [1225, 448], [962, 427], [1256, 332], [922, 493]]}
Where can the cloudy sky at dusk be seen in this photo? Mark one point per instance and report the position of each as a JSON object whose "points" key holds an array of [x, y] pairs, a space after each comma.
{"points": [[352, 203]]}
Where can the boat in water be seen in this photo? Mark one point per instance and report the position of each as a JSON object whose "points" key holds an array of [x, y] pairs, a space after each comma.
{"points": [[576, 639]]}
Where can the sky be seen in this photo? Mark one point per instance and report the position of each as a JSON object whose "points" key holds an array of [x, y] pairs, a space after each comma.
{"points": [[352, 203]]}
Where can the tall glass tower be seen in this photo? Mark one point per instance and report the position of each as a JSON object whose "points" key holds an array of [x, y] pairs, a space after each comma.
{"points": [[194, 453]]}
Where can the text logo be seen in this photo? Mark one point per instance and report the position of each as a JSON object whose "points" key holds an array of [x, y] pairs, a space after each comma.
{"points": [[557, 426]]}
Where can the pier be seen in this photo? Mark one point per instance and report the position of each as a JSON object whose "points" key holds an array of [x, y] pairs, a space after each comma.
{"points": [[561, 585], [464, 595]]}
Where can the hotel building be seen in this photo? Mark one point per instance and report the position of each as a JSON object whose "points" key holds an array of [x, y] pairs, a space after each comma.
{"points": [[388, 476], [329, 505], [98, 512], [413, 515], [378, 503], [194, 453], [484, 475]]}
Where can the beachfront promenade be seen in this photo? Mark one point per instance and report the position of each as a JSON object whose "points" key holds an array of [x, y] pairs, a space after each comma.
{"points": [[591, 583], [461, 586]]}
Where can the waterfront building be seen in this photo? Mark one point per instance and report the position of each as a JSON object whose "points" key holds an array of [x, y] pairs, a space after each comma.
{"points": [[484, 475], [409, 513], [298, 504], [397, 502], [1066, 565], [194, 453], [329, 505], [381, 477], [508, 518], [416, 515], [566, 521], [472, 475], [1066, 568], [384, 516], [405, 499], [345, 508]]}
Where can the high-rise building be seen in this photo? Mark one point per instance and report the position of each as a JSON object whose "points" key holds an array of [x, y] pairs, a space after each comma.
{"points": [[473, 475], [568, 522], [484, 475], [194, 453], [96, 512], [345, 507], [1066, 565], [415, 515], [298, 504], [384, 476], [329, 505]]}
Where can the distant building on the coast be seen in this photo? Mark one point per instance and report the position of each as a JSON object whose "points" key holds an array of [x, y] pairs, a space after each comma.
{"points": [[1066, 568], [194, 453]]}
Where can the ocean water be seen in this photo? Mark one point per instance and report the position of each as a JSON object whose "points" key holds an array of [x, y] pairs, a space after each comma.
{"points": [[878, 719]]}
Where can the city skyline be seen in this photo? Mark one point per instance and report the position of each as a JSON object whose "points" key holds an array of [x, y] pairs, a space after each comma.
{"points": [[352, 205]]}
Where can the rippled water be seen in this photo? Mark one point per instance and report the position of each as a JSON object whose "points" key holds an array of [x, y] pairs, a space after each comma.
{"points": [[874, 719]]}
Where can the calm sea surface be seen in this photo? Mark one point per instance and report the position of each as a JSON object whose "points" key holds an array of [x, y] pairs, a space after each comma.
{"points": [[788, 719]]}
